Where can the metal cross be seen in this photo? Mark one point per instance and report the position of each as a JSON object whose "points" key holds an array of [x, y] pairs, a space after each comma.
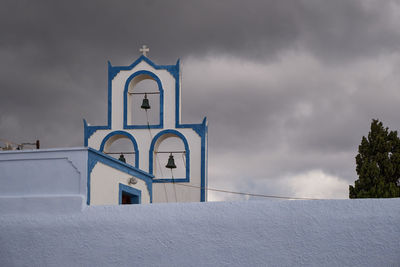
{"points": [[144, 50]]}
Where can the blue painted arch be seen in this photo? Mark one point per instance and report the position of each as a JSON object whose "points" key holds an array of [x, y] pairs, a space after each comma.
{"points": [[147, 75], [126, 135], [172, 133]]}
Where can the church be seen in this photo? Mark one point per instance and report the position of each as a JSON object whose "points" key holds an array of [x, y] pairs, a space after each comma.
{"points": [[144, 153]]}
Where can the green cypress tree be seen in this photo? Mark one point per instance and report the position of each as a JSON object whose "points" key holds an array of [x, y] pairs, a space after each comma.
{"points": [[378, 164]]}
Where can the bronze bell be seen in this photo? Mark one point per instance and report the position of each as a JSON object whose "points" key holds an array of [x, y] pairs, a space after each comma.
{"points": [[122, 158], [171, 162], [145, 103]]}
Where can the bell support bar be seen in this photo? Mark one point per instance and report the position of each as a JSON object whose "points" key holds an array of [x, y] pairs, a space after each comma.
{"points": [[119, 152], [150, 93], [169, 151]]}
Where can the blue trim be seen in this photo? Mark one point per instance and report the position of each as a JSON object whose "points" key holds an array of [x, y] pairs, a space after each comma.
{"points": [[85, 133], [114, 70], [153, 142], [204, 180], [110, 161], [177, 96], [111, 75], [206, 163], [156, 79], [95, 156], [90, 130], [91, 163], [128, 135], [200, 129], [131, 191]]}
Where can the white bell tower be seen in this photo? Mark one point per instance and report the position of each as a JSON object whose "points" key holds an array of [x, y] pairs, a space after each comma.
{"points": [[144, 110]]}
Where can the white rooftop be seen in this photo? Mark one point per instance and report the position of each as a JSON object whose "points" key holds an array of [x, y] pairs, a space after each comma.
{"points": [[254, 233]]}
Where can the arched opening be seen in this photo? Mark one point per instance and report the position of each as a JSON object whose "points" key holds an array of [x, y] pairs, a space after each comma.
{"points": [[120, 143], [170, 146], [140, 87], [170, 143]]}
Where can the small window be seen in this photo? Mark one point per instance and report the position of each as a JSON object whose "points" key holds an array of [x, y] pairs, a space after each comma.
{"points": [[129, 198], [129, 195]]}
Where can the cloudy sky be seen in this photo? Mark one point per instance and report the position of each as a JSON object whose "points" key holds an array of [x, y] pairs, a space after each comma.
{"points": [[289, 87]]}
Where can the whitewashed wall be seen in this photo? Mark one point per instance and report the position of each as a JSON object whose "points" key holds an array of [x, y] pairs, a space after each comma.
{"points": [[40, 180], [254, 233], [55, 180], [105, 182], [161, 192]]}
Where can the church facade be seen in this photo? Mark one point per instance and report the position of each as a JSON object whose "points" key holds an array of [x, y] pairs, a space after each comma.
{"points": [[144, 130], [144, 154]]}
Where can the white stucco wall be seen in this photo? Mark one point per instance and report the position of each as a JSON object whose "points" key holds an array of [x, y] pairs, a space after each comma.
{"points": [[57, 180], [254, 233], [43, 179], [118, 86], [183, 194], [105, 182], [161, 192]]}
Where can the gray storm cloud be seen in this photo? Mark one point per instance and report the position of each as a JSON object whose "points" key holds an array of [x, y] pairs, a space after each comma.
{"points": [[289, 87]]}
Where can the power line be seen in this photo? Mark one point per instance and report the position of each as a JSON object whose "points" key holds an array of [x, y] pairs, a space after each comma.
{"points": [[243, 193], [208, 188], [240, 193]]}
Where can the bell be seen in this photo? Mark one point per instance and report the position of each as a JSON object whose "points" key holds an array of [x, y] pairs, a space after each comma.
{"points": [[122, 158], [145, 103], [171, 162]]}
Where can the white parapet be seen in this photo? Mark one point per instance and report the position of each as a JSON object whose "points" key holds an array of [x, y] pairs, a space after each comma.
{"points": [[58, 180]]}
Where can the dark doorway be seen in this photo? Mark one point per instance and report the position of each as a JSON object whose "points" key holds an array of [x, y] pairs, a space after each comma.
{"points": [[129, 198], [129, 195]]}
